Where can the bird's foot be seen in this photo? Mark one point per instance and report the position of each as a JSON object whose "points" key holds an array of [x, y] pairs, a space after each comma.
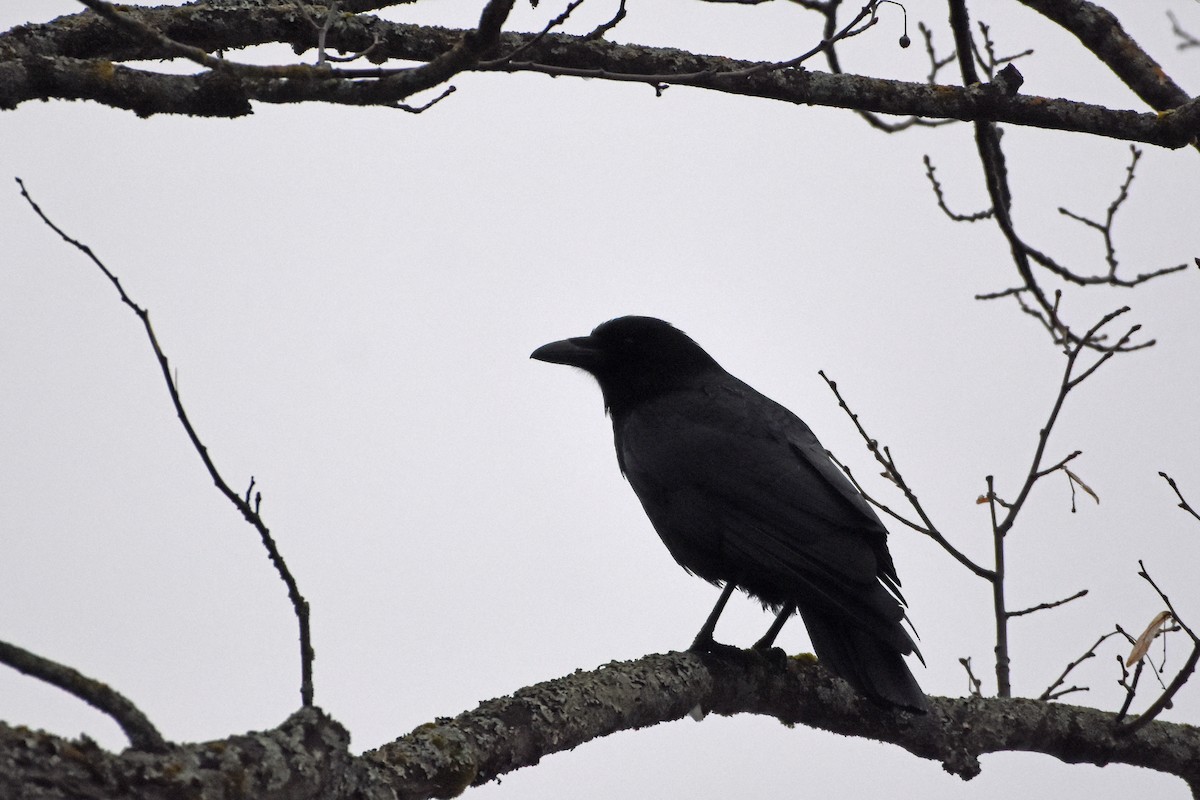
{"points": [[775, 656], [707, 644], [765, 643]]}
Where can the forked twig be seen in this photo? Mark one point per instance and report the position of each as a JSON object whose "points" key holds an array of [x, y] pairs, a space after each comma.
{"points": [[251, 515]]}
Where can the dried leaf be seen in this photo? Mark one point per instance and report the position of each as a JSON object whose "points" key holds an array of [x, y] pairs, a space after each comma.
{"points": [[1142, 645], [1082, 485], [981, 499]]}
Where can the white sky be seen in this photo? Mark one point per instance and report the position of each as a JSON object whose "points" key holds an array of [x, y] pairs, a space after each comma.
{"points": [[350, 296]]}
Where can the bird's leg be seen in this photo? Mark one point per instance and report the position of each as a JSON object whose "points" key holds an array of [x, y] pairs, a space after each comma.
{"points": [[704, 639], [768, 638]]}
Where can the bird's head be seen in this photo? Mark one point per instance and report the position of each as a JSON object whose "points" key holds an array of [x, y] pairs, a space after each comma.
{"points": [[633, 359]]}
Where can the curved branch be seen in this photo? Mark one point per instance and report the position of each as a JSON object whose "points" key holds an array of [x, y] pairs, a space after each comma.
{"points": [[134, 724]]}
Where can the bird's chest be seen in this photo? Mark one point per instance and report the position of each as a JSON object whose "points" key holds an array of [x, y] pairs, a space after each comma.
{"points": [[689, 465]]}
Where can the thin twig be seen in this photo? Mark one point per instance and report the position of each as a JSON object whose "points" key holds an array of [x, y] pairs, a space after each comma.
{"points": [[1182, 502], [251, 515], [941, 199], [604, 27], [1186, 39], [1069, 381], [893, 473], [1106, 229], [1050, 693], [1130, 686], [974, 685], [449, 90], [1045, 606], [916, 526]]}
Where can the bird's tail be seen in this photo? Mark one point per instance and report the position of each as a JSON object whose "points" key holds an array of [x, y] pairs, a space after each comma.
{"points": [[872, 666]]}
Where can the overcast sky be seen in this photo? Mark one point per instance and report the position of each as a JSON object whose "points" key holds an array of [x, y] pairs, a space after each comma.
{"points": [[349, 297]]}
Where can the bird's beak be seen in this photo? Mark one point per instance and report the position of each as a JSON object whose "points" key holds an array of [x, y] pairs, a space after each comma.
{"points": [[578, 351]]}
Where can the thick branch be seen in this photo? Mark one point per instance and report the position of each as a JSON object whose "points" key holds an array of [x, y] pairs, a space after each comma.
{"points": [[307, 757], [1100, 31], [44, 61]]}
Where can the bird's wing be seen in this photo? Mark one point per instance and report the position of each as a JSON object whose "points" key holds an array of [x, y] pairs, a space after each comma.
{"points": [[721, 466], [806, 447]]}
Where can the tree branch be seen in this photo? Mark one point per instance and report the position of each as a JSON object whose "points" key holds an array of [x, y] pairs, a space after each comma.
{"points": [[70, 59], [249, 513], [1100, 31], [307, 757], [136, 726], [884, 457], [1047, 606], [1182, 502]]}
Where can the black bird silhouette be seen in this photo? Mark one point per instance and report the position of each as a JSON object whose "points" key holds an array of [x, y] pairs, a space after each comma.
{"points": [[742, 493]]}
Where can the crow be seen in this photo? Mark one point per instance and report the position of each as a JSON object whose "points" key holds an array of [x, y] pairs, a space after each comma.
{"points": [[742, 494]]}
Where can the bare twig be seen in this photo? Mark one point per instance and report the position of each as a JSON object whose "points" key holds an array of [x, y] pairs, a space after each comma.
{"points": [[936, 64], [1045, 606], [1186, 40], [992, 159], [1130, 686], [1001, 526], [1050, 693], [992, 61], [600, 30], [1106, 231], [941, 200], [251, 515], [138, 729], [883, 456], [1070, 380], [1182, 502], [449, 90], [974, 685]]}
